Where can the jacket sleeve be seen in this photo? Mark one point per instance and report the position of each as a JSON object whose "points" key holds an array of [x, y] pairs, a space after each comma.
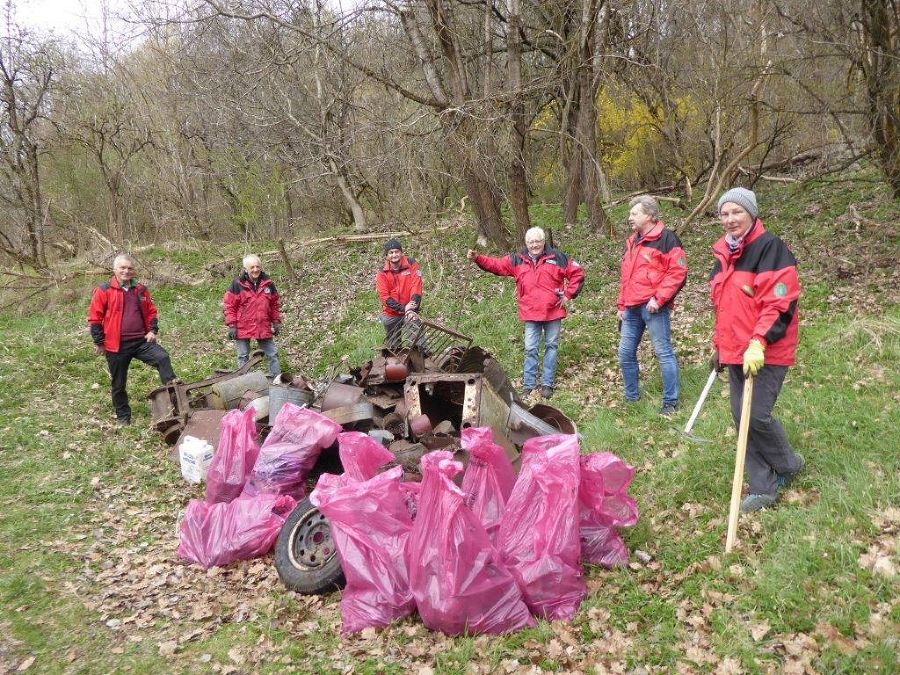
{"points": [[151, 315], [502, 267], [574, 279], [96, 312], [230, 306], [274, 306], [674, 278], [382, 287], [416, 287], [777, 293]]}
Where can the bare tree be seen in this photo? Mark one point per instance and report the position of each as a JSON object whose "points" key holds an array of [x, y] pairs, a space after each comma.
{"points": [[27, 69]]}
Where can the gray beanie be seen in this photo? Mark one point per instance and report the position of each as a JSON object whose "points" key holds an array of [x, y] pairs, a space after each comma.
{"points": [[744, 198]]}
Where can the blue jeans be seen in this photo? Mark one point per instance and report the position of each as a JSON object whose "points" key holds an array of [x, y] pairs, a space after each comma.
{"points": [[269, 349], [633, 324], [533, 330]]}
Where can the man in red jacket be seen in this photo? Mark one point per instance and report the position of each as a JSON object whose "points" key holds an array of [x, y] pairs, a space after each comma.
{"points": [[654, 269], [251, 312], [399, 287], [546, 281], [755, 290], [124, 326]]}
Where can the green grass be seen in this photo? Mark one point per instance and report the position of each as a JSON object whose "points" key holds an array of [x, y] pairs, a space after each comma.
{"points": [[88, 512]]}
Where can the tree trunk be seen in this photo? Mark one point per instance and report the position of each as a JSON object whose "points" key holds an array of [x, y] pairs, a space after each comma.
{"points": [[518, 179], [487, 208], [879, 64]]}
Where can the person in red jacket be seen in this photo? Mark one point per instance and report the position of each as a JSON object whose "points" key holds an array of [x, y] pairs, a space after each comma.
{"points": [[399, 287], [755, 290], [251, 312], [124, 325], [546, 281], [654, 269]]}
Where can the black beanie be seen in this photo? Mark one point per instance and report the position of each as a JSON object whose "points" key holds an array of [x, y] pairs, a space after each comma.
{"points": [[392, 244]]}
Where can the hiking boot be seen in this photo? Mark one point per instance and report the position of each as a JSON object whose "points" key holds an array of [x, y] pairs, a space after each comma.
{"points": [[668, 410], [525, 394], [123, 422], [546, 392], [783, 480], [757, 502]]}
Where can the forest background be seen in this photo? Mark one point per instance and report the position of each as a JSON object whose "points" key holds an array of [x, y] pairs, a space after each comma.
{"points": [[208, 129], [258, 119]]}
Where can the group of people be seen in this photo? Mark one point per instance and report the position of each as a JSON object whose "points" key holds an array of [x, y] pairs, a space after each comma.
{"points": [[754, 289]]}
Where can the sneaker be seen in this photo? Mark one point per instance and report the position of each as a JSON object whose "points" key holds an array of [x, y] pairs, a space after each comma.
{"points": [[757, 502], [783, 480], [525, 393], [667, 411], [547, 392]]}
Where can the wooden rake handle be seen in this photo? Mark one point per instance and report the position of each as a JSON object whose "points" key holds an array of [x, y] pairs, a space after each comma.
{"points": [[743, 433]]}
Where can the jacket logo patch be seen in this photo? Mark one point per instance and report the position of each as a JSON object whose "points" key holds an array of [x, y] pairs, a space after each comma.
{"points": [[681, 262], [748, 291], [267, 290], [552, 262], [780, 290]]}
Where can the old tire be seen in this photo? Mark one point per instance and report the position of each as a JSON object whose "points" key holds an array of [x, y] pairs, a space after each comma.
{"points": [[305, 555]]}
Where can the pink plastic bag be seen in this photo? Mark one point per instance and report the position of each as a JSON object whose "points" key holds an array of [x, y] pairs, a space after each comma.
{"points": [[290, 452], [605, 506], [489, 478], [361, 455], [370, 525], [217, 534], [234, 457], [457, 578], [538, 535]]}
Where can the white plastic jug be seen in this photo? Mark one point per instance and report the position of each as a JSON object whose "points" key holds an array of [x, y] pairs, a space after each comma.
{"points": [[195, 455]]}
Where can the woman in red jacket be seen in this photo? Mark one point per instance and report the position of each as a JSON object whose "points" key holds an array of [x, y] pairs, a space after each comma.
{"points": [[755, 290], [251, 313]]}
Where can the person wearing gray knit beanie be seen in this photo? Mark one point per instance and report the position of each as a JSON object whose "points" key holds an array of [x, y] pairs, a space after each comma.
{"points": [[755, 292], [744, 198]]}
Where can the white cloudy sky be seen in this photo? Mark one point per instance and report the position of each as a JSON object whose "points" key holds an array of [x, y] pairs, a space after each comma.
{"points": [[64, 16]]}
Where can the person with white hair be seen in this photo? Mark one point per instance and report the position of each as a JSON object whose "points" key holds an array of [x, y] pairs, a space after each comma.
{"points": [[124, 325], [251, 312], [547, 280]]}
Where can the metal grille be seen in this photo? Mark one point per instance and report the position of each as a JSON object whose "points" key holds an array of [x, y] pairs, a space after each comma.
{"points": [[426, 345]]}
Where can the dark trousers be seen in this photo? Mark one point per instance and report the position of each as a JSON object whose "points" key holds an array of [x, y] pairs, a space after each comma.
{"points": [[768, 450], [148, 352]]}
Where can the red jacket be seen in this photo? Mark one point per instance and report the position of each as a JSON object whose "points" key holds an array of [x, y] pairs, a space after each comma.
{"points": [[105, 313], [396, 289], [540, 284], [252, 309], [755, 292], [653, 266]]}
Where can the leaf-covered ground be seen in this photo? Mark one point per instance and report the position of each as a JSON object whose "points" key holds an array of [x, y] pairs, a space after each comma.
{"points": [[89, 578]]}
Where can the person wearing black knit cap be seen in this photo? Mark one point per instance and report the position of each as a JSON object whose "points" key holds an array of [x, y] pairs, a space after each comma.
{"points": [[399, 287]]}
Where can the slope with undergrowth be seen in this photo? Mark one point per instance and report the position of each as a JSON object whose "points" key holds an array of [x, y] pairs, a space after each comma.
{"points": [[89, 580]]}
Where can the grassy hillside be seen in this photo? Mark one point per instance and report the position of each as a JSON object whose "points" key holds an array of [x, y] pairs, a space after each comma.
{"points": [[89, 579]]}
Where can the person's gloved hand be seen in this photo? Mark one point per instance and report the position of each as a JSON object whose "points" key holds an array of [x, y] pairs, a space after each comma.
{"points": [[714, 362], [754, 357], [232, 332], [276, 328]]}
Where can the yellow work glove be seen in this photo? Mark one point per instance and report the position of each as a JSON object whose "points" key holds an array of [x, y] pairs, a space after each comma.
{"points": [[754, 357]]}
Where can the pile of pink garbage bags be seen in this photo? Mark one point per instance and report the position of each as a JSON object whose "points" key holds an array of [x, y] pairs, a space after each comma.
{"points": [[485, 556]]}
